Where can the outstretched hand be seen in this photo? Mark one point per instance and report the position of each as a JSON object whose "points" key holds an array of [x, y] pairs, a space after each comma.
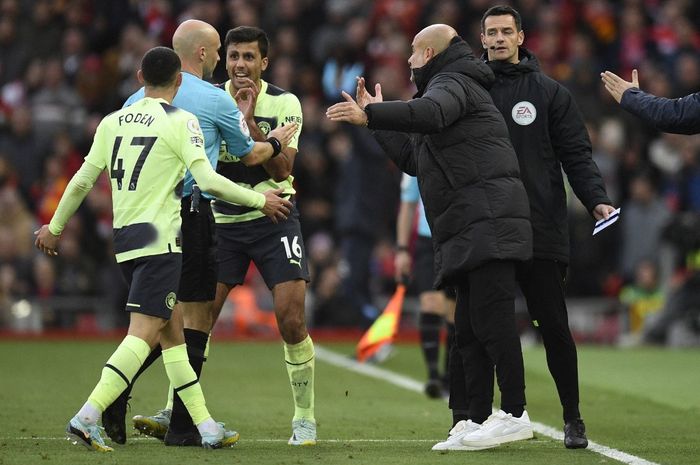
{"points": [[348, 111], [616, 85], [363, 97]]}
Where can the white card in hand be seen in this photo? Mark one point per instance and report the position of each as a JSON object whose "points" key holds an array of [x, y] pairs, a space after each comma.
{"points": [[602, 224]]}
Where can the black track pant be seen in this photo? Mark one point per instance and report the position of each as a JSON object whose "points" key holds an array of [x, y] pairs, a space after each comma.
{"points": [[486, 336], [542, 284]]}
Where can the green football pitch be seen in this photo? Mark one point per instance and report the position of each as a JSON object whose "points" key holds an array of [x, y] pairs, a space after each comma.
{"points": [[640, 405]]}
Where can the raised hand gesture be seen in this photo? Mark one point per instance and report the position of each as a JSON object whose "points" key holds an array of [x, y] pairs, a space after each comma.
{"points": [[363, 97], [246, 97], [616, 85]]}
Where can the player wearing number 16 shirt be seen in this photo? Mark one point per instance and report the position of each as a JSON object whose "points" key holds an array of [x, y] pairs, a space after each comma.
{"points": [[244, 235]]}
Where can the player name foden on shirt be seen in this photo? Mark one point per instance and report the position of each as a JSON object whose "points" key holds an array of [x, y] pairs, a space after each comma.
{"points": [[142, 118]]}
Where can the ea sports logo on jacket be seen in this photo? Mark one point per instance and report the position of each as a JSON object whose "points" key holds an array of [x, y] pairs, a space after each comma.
{"points": [[524, 113]]}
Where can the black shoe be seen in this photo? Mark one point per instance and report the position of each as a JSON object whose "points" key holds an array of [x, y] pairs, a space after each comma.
{"points": [[190, 437], [575, 435], [113, 418], [433, 389]]}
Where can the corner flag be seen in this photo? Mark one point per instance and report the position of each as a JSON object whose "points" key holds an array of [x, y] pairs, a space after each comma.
{"points": [[383, 330]]}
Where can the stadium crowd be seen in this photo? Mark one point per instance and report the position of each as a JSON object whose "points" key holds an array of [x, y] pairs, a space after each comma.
{"points": [[64, 64]]}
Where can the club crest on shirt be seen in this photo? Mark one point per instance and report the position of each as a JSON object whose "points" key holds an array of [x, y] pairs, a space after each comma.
{"points": [[524, 113], [264, 127]]}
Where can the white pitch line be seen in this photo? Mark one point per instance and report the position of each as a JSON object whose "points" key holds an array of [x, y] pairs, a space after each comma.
{"points": [[63, 438], [343, 361]]}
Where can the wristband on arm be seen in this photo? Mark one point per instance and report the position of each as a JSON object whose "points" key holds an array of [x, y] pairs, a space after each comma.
{"points": [[276, 146]]}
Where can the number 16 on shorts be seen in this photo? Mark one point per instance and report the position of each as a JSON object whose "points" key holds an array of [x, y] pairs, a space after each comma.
{"points": [[293, 250]]}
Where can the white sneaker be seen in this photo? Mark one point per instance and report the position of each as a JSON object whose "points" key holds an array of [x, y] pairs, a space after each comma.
{"points": [[499, 428], [458, 431]]}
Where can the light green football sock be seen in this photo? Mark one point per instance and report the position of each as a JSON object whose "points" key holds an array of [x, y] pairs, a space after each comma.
{"points": [[300, 368], [182, 376], [169, 404], [119, 371]]}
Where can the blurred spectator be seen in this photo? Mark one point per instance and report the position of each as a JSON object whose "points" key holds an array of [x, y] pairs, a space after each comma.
{"points": [[634, 41], [13, 52], [72, 51], [642, 298], [324, 299], [22, 148], [15, 269], [340, 72], [689, 175], [688, 74], [643, 219], [314, 179], [56, 106], [49, 191], [678, 323], [16, 217], [367, 189]]}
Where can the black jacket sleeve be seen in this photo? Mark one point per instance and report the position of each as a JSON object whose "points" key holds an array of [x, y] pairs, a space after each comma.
{"points": [[399, 147], [572, 147], [443, 103], [678, 116]]}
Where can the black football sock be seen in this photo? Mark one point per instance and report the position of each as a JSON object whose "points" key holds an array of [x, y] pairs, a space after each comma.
{"points": [[152, 357], [429, 325]]}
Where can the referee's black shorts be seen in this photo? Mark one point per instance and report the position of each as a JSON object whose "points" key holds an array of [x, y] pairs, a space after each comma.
{"points": [[424, 268], [424, 265], [199, 268]]}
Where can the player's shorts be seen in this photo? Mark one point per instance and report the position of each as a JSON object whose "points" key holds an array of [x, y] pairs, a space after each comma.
{"points": [[198, 279], [276, 249], [153, 281], [424, 265]]}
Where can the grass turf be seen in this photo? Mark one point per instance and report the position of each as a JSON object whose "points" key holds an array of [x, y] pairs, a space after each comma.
{"points": [[641, 401]]}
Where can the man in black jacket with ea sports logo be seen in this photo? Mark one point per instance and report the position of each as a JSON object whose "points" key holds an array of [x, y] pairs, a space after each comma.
{"points": [[548, 134]]}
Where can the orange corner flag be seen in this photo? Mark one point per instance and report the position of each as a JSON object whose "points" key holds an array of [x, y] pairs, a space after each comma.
{"points": [[383, 330]]}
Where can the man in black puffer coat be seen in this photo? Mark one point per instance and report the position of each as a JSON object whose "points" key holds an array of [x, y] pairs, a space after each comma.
{"points": [[548, 133], [456, 142]]}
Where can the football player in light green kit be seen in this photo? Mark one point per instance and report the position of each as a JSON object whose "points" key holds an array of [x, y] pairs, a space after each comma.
{"points": [[146, 148], [243, 234]]}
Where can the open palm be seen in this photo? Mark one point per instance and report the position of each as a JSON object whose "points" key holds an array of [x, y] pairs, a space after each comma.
{"points": [[363, 97]]}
